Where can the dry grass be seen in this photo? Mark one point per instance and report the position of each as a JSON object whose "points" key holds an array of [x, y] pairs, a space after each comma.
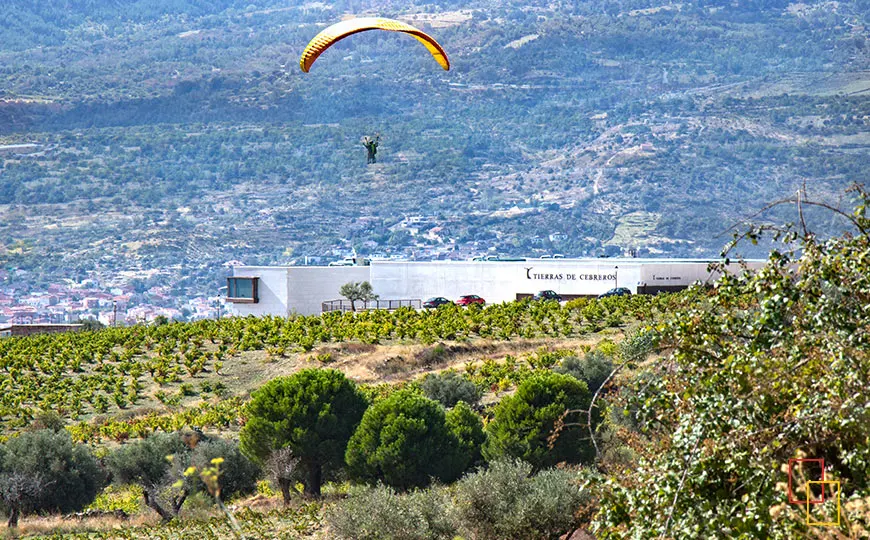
{"points": [[410, 359], [54, 524]]}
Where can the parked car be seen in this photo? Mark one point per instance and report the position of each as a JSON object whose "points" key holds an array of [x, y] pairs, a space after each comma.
{"points": [[436, 301], [547, 295], [469, 299], [616, 291]]}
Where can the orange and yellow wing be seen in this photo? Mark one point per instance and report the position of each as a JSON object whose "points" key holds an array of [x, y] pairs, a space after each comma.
{"points": [[341, 30]]}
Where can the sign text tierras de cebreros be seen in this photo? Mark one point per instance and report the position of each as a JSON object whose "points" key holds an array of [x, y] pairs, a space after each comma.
{"points": [[569, 277]]}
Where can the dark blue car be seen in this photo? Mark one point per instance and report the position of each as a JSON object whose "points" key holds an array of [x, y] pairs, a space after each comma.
{"points": [[616, 291]]}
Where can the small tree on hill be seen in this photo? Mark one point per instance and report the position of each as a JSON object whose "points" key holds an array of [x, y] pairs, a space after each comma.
{"points": [[405, 440], [157, 465], [145, 463], [313, 413], [357, 291], [525, 421], [44, 471]]}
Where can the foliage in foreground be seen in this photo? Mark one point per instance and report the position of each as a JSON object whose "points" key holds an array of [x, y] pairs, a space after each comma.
{"points": [[773, 366], [505, 501]]}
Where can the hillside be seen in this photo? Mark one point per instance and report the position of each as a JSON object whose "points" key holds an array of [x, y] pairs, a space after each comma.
{"points": [[182, 134]]}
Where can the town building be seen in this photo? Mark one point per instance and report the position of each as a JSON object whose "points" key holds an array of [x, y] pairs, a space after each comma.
{"points": [[9, 330], [285, 290]]}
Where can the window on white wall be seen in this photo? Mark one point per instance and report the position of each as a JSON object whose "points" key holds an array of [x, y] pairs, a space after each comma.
{"points": [[243, 290]]}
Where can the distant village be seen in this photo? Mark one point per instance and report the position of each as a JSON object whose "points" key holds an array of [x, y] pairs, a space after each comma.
{"points": [[110, 304]]}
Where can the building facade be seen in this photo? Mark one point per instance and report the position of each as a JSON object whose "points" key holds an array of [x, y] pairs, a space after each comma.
{"points": [[285, 290]]}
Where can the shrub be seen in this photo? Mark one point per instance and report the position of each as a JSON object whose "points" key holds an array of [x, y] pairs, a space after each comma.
{"points": [[379, 513], [313, 413], [524, 421], [238, 473], [638, 345], [593, 369], [449, 387], [404, 441], [44, 471], [431, 356], [145, 464], [506, 502]]}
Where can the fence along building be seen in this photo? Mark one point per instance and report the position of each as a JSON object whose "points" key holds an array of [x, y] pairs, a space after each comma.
{"points": [[284, 290]]}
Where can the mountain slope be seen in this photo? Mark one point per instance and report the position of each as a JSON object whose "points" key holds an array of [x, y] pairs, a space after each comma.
{"points": [[183, 133]]}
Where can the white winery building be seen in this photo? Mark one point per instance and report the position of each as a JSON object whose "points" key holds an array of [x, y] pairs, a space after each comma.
{"points": [[285, 290]]}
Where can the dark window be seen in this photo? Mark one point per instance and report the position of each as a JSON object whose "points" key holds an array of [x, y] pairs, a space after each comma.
{"points": [[242, 290]]}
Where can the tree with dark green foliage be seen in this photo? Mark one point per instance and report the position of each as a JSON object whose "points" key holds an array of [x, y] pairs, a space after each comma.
{"points": [[524, 422], [466, 425], [405, 441], [313, 413], [44, 471]]}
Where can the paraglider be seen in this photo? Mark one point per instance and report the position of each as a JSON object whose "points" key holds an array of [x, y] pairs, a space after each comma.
{"points": [[372, 147], [343, 29]]}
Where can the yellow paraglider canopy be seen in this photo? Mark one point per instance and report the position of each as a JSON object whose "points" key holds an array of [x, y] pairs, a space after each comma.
{"points": [[341, 30]]}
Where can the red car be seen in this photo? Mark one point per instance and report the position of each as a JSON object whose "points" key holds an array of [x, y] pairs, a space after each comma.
{"points": [[469, 299]]}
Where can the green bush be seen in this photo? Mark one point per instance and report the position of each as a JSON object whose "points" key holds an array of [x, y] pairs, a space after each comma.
{"points": [[404, 441], [505, 501], [238, 473], [638, 345], [464, 424], [524, 422], [44, 471], [593, 369], [449, 387], [313, 412], [380, 513], [145, 464]]}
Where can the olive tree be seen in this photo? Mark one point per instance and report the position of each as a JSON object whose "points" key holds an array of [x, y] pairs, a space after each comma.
{"points": [[45, 471], [157, 465], [357, 291]]}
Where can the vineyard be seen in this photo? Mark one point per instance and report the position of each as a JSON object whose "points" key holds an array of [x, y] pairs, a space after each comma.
{"points": [[122, 383]]}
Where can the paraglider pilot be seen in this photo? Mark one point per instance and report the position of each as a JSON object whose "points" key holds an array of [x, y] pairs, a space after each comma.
{"points": [[372, 147]]}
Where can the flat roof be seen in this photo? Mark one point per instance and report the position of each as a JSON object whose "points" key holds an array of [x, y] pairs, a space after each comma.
{"points": [[589, 260]]}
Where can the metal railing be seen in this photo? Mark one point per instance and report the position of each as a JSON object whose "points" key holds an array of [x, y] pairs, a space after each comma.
{"points": [[389, 305]]}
